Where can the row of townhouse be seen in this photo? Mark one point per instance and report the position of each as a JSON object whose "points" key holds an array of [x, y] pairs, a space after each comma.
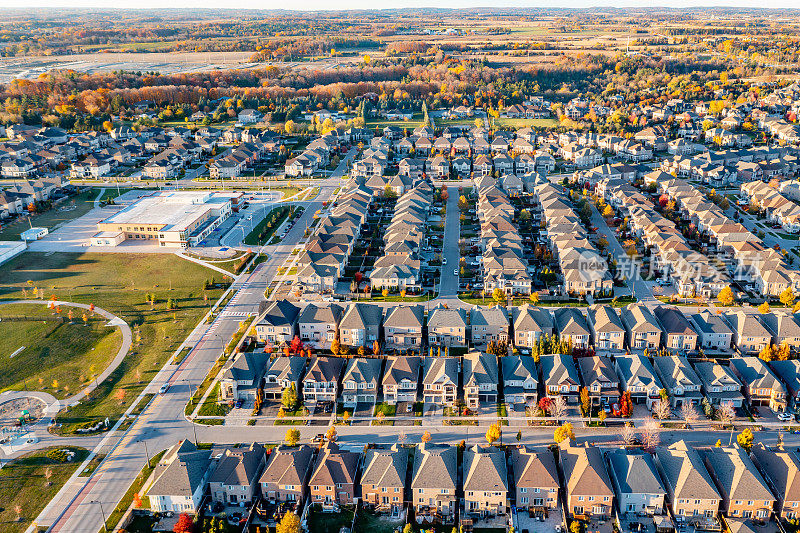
{"points": [[325, 254], [583, 269], [246, 154], [750, 261], [503, 264], [400, 266], [694, 485], [16, 198], [778, 208], [691, 273]]}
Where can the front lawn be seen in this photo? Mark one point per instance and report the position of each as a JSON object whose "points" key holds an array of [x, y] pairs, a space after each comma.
{"points": [[23, 484], [119, 283], [42, 350]]}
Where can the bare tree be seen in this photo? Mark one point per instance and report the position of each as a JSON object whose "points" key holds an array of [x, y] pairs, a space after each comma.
{"points": [[726, 412], [401, 437], [558, 408], [688, 413], [48, 473], [662, 410], [651, 434], [628, 434]]}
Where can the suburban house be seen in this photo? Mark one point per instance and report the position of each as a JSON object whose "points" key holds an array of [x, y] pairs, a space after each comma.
{"points": [[383, 479], [285, 479], [283, 372], [180, 479], [401, 379], [607, 329], [360, 325], [638, 377], [485, 481], [530, 324], [750, 335], [535, 478], [319, 324], [600, 380], [761, 385], [332, 481], [520, 379], [433, 481], [781, 470], [447, 327], [784, 328], [235, 478], [572, 325], [321, 382], [690, 489], [480, 373], [589, 492], [719, 383], [642, 328], [278, 323], [440, 380], [713, 332], [744, 492], [488, 324], [679, 378], [638, 487], [789, 374], [559, 376], [678, 334], [402, 327], [241, 377], [360, 381]]}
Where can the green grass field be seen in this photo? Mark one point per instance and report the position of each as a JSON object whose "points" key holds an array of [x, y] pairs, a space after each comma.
{"points": [[69, 209], [59, 358], [23, 483], [119, 283], [525, 122]]}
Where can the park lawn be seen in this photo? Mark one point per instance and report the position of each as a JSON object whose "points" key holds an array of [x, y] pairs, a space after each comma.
{"points": [[23, 483], [524, 122], [119, 284], [75, 207], [58, 357]]}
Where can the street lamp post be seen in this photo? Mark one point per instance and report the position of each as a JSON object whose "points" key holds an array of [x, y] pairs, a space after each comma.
{"points": [[146, 453], [98, 502]]}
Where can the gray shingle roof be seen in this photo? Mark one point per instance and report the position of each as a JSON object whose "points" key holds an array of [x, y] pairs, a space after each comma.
{"points": [[634, 472], [485, 469], [434, 467], [685, 472], [385, 467], [180, 471]]}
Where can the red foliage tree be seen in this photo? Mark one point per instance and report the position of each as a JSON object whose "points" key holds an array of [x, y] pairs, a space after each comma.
{"points": [[545, 403], [185, 524], [663, 200], [297, 345]]}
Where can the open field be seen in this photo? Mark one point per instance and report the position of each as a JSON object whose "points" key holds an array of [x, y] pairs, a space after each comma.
{"points": [[23, 483], [119, 284], [516, 123], [57, 357], [69, 209]]}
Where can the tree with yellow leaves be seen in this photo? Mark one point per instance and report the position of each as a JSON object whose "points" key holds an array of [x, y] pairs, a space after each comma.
{"points": [[292, 437], [726, 297], [787, 297], [764, 308], [331, 434], [494, 433], [534, 297], [564, 431], [426, 437]]}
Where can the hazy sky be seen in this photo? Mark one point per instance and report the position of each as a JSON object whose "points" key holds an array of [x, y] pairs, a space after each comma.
{"points": [[308, 5]]}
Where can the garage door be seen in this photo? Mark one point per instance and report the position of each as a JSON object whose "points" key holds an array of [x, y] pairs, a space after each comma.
{"points": [[364, 398]]}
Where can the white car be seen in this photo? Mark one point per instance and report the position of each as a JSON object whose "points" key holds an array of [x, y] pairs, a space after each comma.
{"points": [[785, 417], [455, 272], [164, 388], [444, 260]]}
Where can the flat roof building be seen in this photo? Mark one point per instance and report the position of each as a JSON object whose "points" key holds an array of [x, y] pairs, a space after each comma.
{"points": [[171, 218]]}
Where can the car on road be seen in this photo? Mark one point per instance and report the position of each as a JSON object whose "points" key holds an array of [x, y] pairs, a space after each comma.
{"points": [[164, 388], [785, 417], [320, 437], [444, 260], [455, 272]]}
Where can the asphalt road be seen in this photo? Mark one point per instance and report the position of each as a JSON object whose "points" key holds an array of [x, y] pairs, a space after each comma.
{"points": [[163, 422], [448, 283]]}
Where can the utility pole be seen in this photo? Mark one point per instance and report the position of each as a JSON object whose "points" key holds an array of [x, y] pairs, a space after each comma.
{"points": [[105, 526]]}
